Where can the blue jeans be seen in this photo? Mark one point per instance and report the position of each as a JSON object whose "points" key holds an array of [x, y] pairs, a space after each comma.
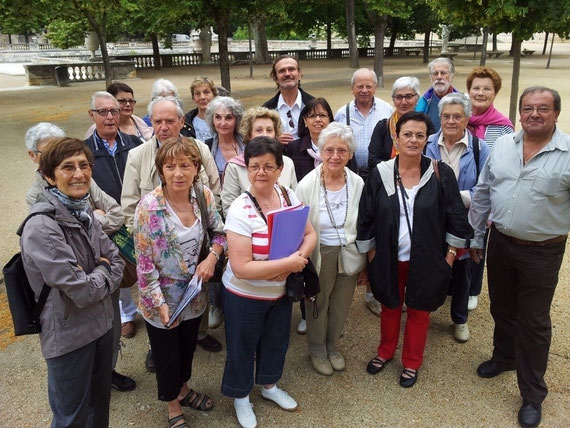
{"points": [[257, 333], [79, 385]]}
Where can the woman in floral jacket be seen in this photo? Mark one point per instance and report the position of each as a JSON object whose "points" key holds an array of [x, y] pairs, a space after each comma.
{"points": [[178, 234]]}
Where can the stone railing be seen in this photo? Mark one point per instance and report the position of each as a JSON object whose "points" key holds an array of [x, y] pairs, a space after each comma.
{"points": [[62, 74]]}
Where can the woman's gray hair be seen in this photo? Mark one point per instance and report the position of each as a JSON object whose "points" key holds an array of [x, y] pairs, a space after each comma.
{"points": [[173, 100], [406, 82], [456, 98], [228, 103], [338, 130], [163, 88], [40, 132]]}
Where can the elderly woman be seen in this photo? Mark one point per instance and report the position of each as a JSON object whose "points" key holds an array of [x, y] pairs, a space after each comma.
{"points": [[256, 307], [333, 193], [128, 122], [411, 220], [257, 121], [486, 122], [65, 250], [223, 116], [466, 155], [161, 88], [203, 91], [405, 94], [178, 234]]}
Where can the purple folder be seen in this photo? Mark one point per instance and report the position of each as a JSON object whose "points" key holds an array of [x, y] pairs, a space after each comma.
{"points": [[287, 232]]}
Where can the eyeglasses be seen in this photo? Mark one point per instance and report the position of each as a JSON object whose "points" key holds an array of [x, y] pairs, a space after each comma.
{"points": [[321, 116], [123, 101], [448, 117], [420, 136], [266, 168], [539, 110], [407, 97], [291, 123], [104, 112], [440, 73], [70, 168], [329, 152]]}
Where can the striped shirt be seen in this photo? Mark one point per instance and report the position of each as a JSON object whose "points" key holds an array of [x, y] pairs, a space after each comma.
{"points": [[495, 131], [244, 219]]}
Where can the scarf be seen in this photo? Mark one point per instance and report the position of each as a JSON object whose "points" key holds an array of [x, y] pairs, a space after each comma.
{"points": [[315, 155], [78, 208], [430, 91], [478, 124], [392, 127]]}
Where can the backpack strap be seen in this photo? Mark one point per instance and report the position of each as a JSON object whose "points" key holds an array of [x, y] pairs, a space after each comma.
{"points": [[285, 195], [476, 153], [201, 199]]}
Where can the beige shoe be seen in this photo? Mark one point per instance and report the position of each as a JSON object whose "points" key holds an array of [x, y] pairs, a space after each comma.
{"points": [[322, 365], [462, 332], [374, 306], [337, 361], [472, 303]]}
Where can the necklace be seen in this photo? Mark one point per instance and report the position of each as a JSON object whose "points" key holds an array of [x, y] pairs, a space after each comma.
{"points": [[530, 155], [266, 205], [329, 211]]}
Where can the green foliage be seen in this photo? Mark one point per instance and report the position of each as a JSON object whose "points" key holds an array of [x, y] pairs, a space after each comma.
{"points": [[22, 17], [67, 34]]}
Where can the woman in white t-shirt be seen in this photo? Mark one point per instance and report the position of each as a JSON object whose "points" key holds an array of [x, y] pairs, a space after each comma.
{"points": [[256, 308]]}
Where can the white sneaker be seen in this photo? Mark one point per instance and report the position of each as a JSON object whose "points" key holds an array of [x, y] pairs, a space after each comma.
{"points": [[462, 332], [473, 301], [245, 415], [214, 317], [302, 327], [281, 398], [373, 306]]}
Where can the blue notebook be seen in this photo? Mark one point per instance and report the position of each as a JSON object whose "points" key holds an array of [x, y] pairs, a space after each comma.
{"points": [[287, 231]]}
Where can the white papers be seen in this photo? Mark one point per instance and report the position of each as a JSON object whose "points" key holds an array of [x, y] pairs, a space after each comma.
{"points": [[192, 290]]}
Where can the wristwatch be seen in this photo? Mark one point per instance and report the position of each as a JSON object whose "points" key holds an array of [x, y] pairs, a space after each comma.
{"points": [[214, 253]]}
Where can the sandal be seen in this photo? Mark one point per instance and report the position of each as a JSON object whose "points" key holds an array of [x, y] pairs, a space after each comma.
{"points": [[376, 365], [172, 422], [410, 379], [197, 401]]}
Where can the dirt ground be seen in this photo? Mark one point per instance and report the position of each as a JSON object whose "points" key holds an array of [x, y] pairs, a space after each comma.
{"points": [[448, 392]]}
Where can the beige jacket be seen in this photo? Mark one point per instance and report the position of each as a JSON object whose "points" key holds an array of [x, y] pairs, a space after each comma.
{"points": [[141, 176]]}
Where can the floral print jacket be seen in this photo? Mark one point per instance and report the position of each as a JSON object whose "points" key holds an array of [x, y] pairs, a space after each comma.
{"points": [[162, 273]]}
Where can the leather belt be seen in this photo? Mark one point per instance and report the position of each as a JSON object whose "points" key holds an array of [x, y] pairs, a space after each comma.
{"points": [[522, 242]]}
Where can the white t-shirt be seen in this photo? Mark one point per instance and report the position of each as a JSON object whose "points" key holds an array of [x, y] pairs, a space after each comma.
{"points": [[338, 204], [404, 238], [203, 131], [244, 219]]}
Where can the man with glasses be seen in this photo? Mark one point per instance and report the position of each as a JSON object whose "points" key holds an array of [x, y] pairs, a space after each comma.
{"points": [[441, 71], [290, 98], [363, 113], [110, 149], [524, 189]]}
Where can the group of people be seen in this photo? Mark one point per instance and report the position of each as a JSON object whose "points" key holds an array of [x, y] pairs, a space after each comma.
{"points": [[401, 200]]}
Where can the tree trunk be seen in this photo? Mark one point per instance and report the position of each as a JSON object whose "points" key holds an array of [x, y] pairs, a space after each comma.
{"points": [[223, 49], [155, 51], [351, 31], [512, 49], [9, 38], [425, 59], [516, 46], [329, 31], [101, 32], [545, 43], [495, 42], [550, 52], [380, 23], [26, 38], [260, 37], [249, 37], [393, 37], [206, 44], [483, 59]]}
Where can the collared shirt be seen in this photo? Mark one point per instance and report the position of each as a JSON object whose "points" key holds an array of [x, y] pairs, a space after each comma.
{"points": [[364, 126], [452, 156], [111, 150], [283, 108], [530, 202]]}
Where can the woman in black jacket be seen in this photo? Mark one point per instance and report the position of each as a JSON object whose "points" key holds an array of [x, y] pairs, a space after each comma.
{"points": [[411, 221]]}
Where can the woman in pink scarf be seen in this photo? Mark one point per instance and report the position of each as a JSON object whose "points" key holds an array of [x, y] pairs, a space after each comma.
{"points": [[483, 85]]}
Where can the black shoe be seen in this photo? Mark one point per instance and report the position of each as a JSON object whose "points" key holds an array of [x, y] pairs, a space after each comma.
{"points": [[491, 369], [122, 383], [408, 382], [529, 414], [149, 362], [209, 343], [376, 365]]}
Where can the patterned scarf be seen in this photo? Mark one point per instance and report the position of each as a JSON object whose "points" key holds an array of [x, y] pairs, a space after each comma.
{"points": [[79, 208], [392, 127], [315, 155], [478, 124]]}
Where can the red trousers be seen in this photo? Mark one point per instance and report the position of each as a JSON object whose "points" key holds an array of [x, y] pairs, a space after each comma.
{"points": [[415, 334]]}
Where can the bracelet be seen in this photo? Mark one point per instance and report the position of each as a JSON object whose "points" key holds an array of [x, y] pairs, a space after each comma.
{"points": [[452, 251], [215, 254]]}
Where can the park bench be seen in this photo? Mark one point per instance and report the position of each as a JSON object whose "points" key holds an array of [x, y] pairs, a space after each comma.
{"points": [[527, 52], [495, 54]]}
